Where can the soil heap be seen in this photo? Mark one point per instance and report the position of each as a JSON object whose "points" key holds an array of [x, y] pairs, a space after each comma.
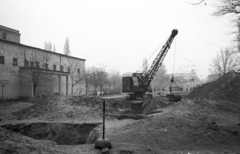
{"points": [[189, 125], [12, 142], [225, 88], [84, 108]]}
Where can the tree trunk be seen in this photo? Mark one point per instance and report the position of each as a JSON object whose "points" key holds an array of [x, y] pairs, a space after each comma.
{"points": [[86, 86], [34, 90], [72, 87], [101, 90], [95, 91]]}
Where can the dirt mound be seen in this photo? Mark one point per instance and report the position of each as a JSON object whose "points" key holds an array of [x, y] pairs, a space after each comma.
{"points": [[11, 142], [151, 104], [82, 107], [184, 125], [43, 106], [4, 110], [7, 110], [55, 107], [225, 88]]}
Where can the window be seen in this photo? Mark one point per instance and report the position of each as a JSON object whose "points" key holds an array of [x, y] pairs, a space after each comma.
{"points": [[68, 69], [37, 64], [31, 63], [46, 66], [2, 59], [54, 67], [61, 68], [15, 62], [78, 71], [4, 36], [26, 63]]}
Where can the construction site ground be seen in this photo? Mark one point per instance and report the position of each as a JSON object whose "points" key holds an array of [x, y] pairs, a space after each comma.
{"points": [[189, 126], [71, 124]]}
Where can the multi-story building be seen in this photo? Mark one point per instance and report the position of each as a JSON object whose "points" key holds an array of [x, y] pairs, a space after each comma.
{"points": [[28, 71]]}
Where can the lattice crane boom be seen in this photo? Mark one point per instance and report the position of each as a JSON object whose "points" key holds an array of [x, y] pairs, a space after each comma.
{"points": [[160, 57]]}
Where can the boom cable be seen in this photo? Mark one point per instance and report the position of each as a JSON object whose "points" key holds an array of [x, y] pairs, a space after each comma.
{"points": [[174, 56], [156, 50]]}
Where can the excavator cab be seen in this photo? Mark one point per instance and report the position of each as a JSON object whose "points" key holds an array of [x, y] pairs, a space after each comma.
{"points": [[173, 96]]}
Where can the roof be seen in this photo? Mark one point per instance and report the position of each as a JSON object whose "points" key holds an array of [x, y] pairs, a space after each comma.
{"points": [[9, 29], [6, 41]]}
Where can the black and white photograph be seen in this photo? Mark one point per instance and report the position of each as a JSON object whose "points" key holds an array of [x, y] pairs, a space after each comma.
{"points": [[120, 77]]}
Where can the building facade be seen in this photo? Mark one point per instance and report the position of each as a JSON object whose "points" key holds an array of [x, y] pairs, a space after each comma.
{"points": [[26, 71]]}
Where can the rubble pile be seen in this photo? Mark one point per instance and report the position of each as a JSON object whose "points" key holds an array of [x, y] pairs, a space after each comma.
{"points": [[225, 88]]}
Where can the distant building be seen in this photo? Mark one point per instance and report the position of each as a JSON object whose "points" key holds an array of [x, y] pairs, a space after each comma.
{"points": [[17, 59], [185, 81], [187, 76]]}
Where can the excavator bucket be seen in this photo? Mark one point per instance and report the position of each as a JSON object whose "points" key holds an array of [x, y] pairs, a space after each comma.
{"points": [[174, 97]]}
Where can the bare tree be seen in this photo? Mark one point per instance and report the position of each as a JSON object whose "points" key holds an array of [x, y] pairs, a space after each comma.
{"points": [[94, 79], [54, 48], [87, 79], [227, 7], [230, 7], [34, 70], [48, 46], [225, 61], [160, 80], [66, 49], [113, 79], [98, 77], [75, 74], [102, 76], [196, 3]]}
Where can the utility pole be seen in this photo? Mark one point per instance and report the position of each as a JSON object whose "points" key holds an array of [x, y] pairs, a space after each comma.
{"points": [[3, 83]]}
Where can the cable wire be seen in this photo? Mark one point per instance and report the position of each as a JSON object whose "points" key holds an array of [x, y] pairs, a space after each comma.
{"points": [[157, 49], [174, 56]]}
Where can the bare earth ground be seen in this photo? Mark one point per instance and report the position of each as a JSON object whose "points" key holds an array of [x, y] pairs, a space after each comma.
{"points": [[189, 126]]}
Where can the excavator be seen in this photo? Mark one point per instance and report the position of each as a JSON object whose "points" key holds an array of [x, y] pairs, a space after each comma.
{"points": [[137, 85]]}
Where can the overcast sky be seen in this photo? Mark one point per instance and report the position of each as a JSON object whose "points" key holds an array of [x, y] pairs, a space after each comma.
{"points": [[120, 34]]}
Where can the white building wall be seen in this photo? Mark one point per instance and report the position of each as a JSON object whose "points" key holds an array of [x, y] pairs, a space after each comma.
{"points": [[14, 89]]}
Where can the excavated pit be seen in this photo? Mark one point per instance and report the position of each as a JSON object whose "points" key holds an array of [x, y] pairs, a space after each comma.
{"points": [[61, 133]]}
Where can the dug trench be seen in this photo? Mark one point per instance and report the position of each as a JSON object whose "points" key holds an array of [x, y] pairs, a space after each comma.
{"points": [[137, 109], [60, 133]]}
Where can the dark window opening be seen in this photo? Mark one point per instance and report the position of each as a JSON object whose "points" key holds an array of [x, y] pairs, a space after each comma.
{"points": [[78, 71], [37, 64], [46, 66], [31, 63], [26, 63], [4, 36], [54, 67], [2, 60], [61, 68], [15, 62], [68, 69]]}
